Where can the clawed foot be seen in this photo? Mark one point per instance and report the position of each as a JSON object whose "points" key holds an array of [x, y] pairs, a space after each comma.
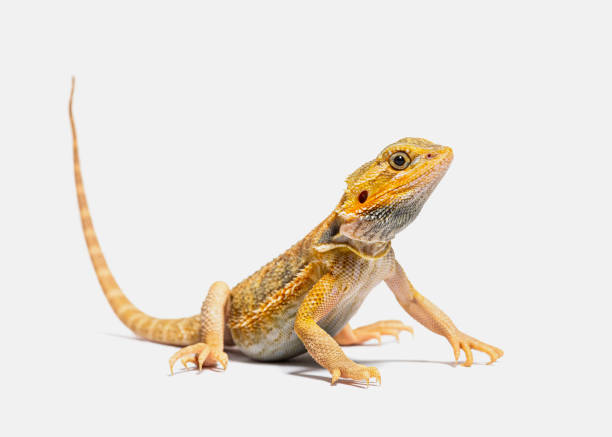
{"points": [[383, 327], [460, 341], [376, 330], [201, 355], [356, 372]]}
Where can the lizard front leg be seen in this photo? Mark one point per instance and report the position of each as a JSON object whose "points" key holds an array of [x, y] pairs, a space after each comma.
{"points": [[320, 345], [209, 351], [435, 320]]}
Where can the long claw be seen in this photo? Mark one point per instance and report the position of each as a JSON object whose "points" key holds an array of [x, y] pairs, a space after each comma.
{"points": [[202, 356], [224, 360], [494, 354], [469, 359], [456, 350], [375, 374], [335, 376]]}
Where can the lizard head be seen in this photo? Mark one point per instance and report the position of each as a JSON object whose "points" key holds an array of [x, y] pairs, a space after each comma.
{"points": [[386, 194]]}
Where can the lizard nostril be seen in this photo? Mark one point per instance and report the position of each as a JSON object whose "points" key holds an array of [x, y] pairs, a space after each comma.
{"points": [[429, 155], [363, 196]]}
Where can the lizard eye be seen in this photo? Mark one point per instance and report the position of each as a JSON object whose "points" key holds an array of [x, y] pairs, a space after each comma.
{"points": [[399, 160]]}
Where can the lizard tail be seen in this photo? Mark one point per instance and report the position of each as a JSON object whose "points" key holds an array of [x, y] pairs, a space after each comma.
{"points": [[178, 332]]}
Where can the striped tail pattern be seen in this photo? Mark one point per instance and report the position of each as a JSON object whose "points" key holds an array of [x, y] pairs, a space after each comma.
{"points": [[180, 332]]}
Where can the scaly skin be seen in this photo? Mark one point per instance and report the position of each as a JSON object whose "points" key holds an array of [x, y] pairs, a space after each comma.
{"points": [[302, 299]]}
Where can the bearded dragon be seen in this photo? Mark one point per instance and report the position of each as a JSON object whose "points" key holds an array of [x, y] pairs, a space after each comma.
{"points": [[303, 300]]}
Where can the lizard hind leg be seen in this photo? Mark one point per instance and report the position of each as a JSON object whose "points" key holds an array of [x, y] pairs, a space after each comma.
{"points": [[209, 351], [349, 336]]}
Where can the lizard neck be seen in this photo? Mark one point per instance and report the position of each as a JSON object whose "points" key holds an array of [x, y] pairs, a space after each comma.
{"points": [[327, 237]]}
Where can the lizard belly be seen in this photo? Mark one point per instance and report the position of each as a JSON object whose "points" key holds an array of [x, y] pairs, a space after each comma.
{"points": [[273, 340], [276, 339]]}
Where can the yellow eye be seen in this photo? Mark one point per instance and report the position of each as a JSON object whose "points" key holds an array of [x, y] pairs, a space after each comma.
{"points": [[399, 160]]}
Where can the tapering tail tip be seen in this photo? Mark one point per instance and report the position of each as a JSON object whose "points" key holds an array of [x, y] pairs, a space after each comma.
{"points": [[180, 332]]}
